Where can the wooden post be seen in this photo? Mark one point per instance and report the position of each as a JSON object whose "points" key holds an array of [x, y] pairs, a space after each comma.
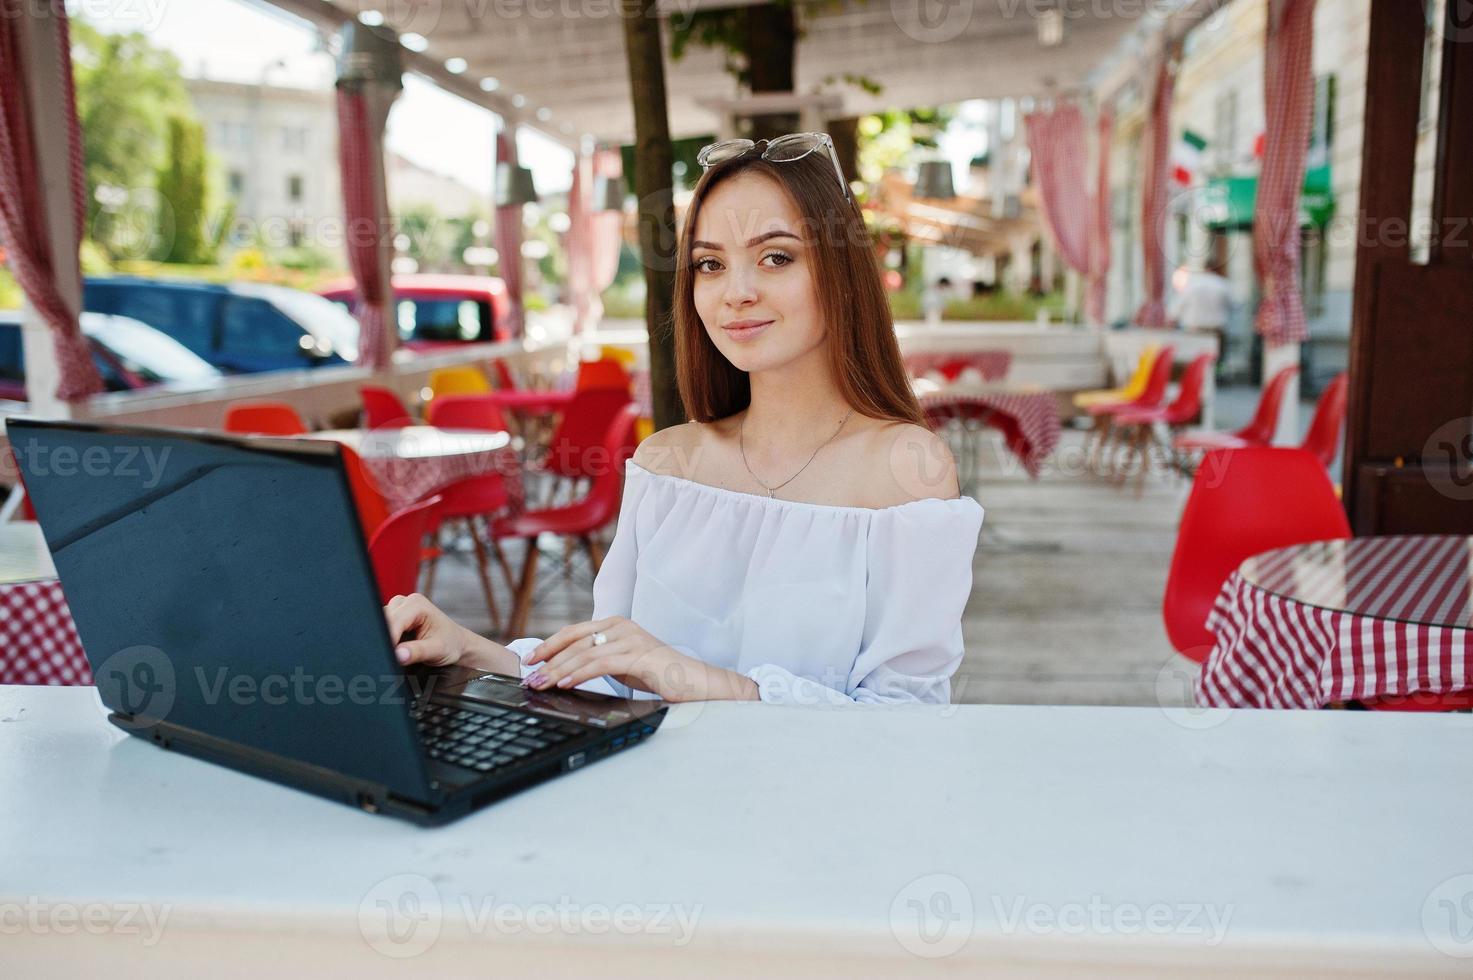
{"points": [[653, 160], [46, 97]]}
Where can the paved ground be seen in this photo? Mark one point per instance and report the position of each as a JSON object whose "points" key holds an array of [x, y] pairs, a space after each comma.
{"points": [[1077, 624]]}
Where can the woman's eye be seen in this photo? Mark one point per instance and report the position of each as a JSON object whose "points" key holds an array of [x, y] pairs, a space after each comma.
{"points": [[706, 264], [779, 258]]}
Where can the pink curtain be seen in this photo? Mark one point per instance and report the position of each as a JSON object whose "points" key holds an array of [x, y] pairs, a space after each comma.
{"points": [[22, 207], [1288, 96], [365, 228], [1057, 147], [577, 242], [1157, 180], [1099, 226], [607, 229], [509, 245]]}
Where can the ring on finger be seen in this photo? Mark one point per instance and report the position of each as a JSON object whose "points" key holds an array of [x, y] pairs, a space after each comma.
{"points": [[599, 639]]}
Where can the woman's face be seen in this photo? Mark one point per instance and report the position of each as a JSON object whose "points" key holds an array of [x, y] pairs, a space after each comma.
{"points": [[753, 275]]}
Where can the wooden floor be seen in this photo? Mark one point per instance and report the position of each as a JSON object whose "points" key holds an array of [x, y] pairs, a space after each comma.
{"points": [[1079, 623]]}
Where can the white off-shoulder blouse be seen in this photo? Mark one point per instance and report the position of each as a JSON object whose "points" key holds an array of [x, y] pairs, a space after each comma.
{"points": [[817, 604]]}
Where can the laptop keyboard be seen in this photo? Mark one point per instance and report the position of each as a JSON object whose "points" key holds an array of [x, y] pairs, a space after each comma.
{"points": [[487, 738]]}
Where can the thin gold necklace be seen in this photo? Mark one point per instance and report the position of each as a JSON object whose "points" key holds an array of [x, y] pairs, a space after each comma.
{"points": [[772, 491]]}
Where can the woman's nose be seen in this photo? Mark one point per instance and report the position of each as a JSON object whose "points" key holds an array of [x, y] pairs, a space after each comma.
{"points": [[741, 289]]}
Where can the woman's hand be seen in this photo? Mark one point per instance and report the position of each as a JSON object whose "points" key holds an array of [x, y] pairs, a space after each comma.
{"points": [[633, 657], [422, 634]]}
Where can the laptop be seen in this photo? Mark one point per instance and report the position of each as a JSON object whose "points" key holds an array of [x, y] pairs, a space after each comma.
{"points": [[223, 593]]}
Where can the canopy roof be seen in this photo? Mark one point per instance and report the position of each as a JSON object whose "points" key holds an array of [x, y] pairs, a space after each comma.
{"points": [[567, 57]]}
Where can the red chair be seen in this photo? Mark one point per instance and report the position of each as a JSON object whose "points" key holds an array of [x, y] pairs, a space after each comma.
{"points": [[576, 449], [373, 509], [397, 548], [580, 520], [1104, 412], [383, 409], [1323, 437], [467, 412], [264, 419], [1137, 423], [474, 500], [502, 376], [1259, 432], [604, 373], [1243, 502]]}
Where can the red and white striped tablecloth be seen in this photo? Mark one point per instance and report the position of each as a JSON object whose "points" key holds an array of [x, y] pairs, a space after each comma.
{"points": [[1029, 421], [38, 641], [1332, 621]]}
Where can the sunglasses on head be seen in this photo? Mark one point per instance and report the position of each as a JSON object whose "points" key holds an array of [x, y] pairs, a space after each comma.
{"points": [[783, 149]]}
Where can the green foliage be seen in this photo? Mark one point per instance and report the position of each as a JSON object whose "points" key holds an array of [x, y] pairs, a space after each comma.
{"points": [[182, 196], [888, 139], [126, 92], [905, 304]]}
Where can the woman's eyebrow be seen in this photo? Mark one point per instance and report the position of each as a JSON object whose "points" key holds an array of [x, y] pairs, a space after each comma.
{"points": [[778, 233]]}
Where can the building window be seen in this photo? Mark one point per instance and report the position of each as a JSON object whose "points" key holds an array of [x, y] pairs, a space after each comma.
{"points": [[237, 183], [294, 188]]}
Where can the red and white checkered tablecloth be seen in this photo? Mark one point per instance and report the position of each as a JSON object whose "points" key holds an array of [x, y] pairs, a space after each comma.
{"points": [[1333, 621], [1029, 421], [411, 463], [992, 365], [38, 642]]}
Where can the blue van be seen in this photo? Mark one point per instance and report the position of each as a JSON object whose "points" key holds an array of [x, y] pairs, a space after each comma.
{"points": [[241, 328]]}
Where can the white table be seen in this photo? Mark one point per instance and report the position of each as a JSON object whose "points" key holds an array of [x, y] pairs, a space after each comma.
{"points": [[795, 840]]}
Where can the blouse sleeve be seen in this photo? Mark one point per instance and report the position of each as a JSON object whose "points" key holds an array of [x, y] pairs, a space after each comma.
{"points": [[919, 578], [613, 590]]}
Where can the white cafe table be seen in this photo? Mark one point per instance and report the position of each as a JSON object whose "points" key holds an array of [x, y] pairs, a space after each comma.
{"points": [[748, 839]]}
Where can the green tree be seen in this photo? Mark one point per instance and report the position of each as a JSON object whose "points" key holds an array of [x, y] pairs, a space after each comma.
{"points": [[127, 90], [182, 196]]}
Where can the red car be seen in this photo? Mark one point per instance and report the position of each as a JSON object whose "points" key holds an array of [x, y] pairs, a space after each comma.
{"points": [[439, 310]]}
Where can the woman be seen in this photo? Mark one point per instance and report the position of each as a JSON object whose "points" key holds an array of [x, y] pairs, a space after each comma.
{"points": [[802, 539]]}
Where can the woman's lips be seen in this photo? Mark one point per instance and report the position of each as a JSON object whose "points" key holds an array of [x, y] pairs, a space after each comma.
{"points": [[742, 333]]}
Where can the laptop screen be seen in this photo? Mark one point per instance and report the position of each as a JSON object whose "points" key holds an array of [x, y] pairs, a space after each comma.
{"points": [[221, 584]]}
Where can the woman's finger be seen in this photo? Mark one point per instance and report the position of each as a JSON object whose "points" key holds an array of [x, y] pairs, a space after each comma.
{"points": [[431, 652], [569, 635], [611, 663]]}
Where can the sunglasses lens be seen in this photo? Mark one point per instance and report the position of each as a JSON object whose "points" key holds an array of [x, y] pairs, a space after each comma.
{"points": [[795, 147], [720, 152]]}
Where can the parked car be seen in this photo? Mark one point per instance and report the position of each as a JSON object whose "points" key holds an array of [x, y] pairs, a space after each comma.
{"points": [[128, 354], [240, 328], [439, 310]]}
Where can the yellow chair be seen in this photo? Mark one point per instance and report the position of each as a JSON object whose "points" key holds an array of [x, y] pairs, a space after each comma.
{"points": [[462, 380], [623, 355], [1133, 387]]}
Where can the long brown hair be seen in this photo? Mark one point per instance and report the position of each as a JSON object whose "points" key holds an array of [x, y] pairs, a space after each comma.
{"points": [[863, 352]]}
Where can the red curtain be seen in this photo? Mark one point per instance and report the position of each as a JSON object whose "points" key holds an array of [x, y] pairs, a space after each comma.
{"points": [[22, 205], [1157, 179], [1288, 97], [1099, 226], [365, 228], [509, 245], [1057, 146]]}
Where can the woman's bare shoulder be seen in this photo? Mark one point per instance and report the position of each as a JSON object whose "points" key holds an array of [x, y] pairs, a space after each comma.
{"points": [[908, 462], [672, 451]]}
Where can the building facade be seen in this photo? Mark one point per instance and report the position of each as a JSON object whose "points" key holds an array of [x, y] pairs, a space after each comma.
{"points": [[276, 150]]}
